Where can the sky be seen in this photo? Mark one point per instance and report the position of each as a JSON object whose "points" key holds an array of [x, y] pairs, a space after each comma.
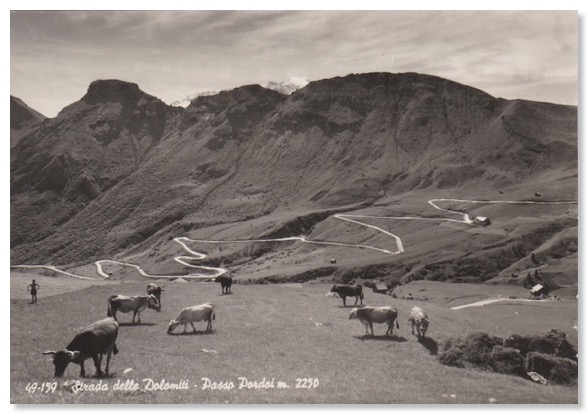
{"points": [[55, 55]]}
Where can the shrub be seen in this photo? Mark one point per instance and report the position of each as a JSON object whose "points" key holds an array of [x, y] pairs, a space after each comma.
{"points": [[453, 357], [548, 354], [473, 350], [556, 369], [553, 342], [478, 346], [564, 372], [507, 361]]}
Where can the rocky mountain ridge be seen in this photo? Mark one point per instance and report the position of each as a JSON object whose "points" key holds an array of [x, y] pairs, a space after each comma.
{"points": [[287, 88], [22, 119], [120, 168]]}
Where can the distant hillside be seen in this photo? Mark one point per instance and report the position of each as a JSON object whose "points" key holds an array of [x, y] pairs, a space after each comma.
{"points": [[120, 168]]}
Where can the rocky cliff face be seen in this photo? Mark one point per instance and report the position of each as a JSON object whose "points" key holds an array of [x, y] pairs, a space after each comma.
{"points": [[119, 166]]}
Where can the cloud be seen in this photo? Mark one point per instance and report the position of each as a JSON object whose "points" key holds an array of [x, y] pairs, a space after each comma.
{"points": [[170, 51]]}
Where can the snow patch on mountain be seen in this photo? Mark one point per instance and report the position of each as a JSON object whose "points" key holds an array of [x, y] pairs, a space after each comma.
{"points": [[287, 87], [186, 101]]}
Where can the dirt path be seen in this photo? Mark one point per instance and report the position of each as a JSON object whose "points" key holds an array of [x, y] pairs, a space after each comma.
{"points": [[489, 301]]}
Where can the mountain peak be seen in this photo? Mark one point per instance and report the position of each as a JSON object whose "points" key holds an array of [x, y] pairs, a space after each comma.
{"points": [[288, 87], [21, 113], [22, 119], [112, 90]]}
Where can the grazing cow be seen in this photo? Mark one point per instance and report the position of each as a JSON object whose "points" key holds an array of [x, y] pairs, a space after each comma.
{"points": [[226, 282], [135, 304], [91, 342], [376, 314], [346, 290], [153, 289], [193, 314], [419, 318]]}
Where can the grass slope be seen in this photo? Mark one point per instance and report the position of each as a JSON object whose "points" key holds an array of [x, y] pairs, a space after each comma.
{"points": [[280, 332]]}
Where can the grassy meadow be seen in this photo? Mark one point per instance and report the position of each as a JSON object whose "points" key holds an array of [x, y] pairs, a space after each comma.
{"points": [[280, 332]]}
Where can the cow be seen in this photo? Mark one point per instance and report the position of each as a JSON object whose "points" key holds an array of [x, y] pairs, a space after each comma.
{"points": [[193, 314], [346, 290], [226, 282], [376, 314], [135, 304], [93, 342], [419, 318], [153, 289]]}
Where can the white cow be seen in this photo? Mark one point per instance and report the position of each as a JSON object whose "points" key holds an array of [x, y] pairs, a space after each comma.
{"points": [[369, 315], [135, 304], [193, 314], [419, 318]]}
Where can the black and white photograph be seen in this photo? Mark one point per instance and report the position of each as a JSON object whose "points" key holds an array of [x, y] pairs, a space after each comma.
{"points": [[294, 207]]}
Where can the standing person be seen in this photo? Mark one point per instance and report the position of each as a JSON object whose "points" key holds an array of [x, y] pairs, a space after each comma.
{"points": [[33, 288]]}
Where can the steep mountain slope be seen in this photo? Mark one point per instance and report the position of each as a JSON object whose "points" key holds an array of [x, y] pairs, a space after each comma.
{"points": [[120, 171], [72, 159], [22, 119]]}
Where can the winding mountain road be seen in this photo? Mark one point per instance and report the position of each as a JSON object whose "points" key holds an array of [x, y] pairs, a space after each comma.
{"points": [[206, 272]]}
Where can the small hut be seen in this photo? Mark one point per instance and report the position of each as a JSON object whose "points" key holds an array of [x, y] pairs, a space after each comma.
{"points": [[482, 221], [539, 290], [380, 288]]}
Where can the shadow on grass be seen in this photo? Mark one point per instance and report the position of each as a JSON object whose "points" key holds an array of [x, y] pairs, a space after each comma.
{"points": [[224, 294], [190, 333], [94, 376], [136, 324], [392, 338], [351, 306], [105, 376], [430, 345]]}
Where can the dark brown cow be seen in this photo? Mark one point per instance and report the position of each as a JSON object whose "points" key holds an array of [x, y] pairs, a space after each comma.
{"points": [[226, 282], [93, 342], [347, 290]]}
